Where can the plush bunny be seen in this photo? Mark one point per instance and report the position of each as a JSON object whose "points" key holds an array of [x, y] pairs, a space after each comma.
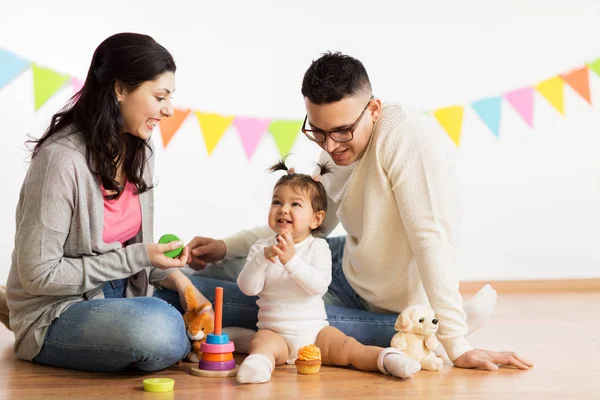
{"points": [[199, 322], [416, 327]]}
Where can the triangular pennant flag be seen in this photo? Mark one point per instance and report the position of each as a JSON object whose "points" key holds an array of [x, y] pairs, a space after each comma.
{"points": [[579, 80], [46, 82], [285, 133], [76, 84], [553, 90], [11, 66], [595, 66], [213, 127], [489, 111], [522, 101], [169, 126], [450, 118], [250, 131]]}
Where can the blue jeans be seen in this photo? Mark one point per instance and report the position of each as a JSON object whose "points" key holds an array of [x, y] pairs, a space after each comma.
{"points": [[346, 310], [144, 333], [147, 333]]}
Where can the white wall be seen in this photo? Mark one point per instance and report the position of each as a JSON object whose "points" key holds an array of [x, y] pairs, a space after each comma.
{"points": [[531, 200]]}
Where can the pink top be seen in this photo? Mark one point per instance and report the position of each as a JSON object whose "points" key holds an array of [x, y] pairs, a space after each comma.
{"points": [[122, 216]]}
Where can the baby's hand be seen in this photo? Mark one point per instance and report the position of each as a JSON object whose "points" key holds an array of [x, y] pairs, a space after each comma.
{"points": [[285, 248], [270, 253]]}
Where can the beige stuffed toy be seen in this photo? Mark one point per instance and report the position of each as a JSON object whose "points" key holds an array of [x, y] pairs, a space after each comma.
{"points": [[416, 327]]}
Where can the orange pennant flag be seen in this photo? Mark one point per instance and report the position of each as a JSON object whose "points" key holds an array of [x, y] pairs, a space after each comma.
{"points": [[553, 90], [578, 79], [213, 126], [170, 125], [451, 118]]}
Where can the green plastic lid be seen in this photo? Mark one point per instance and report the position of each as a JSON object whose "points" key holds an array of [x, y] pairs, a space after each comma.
{"points": [[168, 238], [159, 385]]}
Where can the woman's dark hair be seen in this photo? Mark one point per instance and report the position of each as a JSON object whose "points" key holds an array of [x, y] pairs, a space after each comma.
{"points": [[306, 184], [129, 59]]}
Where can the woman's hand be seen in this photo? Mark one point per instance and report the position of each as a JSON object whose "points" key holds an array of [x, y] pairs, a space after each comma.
{"points": [[159, 260], [177, 281]]}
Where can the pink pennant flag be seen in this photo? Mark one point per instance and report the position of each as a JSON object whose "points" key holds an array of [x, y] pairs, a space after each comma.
{"points": [[250, 131], [76, 84], [522, 101]]}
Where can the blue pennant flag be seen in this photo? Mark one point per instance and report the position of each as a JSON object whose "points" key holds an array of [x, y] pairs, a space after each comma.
{"points": [[489, 110], [11, 66]]}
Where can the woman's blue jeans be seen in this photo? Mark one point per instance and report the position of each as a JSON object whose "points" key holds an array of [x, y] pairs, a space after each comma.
{"points": [[147, 333]]}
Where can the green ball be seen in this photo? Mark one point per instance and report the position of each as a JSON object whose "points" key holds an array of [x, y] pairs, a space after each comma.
{"points": [[168, 238]]}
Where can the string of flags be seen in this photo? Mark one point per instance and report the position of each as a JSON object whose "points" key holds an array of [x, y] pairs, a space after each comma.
{"points": [[46, 82]]}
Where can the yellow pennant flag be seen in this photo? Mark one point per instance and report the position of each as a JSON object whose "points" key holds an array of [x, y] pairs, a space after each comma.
{"points": [[553, 90], [213, 127], [451, 118]]}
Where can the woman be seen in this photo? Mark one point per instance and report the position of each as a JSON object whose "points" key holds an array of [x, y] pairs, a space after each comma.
{"points": [[81, 285]]}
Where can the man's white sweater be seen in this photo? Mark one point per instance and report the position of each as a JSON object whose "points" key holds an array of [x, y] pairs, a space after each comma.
{"points": [[399, 206]]}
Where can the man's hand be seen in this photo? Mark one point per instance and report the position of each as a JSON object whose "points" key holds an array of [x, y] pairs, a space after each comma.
{"points": [[205, 250], [489, 360]]}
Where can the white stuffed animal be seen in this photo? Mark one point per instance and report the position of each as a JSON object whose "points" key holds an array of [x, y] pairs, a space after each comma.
{"points": [[416, 327]]}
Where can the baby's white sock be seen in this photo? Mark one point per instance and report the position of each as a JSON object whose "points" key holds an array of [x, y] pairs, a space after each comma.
{"points": [[393, 362], [256, 368], [480, 307]]}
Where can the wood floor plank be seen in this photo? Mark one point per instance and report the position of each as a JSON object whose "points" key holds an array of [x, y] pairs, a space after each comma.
{"points": [[556, 331]]}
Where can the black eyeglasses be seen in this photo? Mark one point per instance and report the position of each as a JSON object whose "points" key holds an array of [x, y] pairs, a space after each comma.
{"points": [[339, 135]]}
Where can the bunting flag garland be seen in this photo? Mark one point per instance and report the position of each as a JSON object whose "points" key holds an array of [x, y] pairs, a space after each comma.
{"points": [[213, 126], [250, 130], [76, 84], [595, 66], [168, 126], [553, 90], [579, 80], [285, 133], [46, 82], [451, 118], [11, 66], [489, 111], [522, 101]]}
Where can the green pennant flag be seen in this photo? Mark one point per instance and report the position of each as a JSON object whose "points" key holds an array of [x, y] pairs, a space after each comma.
{"points": [[595, 66], [46, 82], [285, 134]]}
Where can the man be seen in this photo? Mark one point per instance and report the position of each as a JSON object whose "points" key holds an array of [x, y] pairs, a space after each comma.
{"points": [[393, 190]]}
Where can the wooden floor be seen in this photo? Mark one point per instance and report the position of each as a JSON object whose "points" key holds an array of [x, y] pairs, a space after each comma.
{"points": [[558, 332]]}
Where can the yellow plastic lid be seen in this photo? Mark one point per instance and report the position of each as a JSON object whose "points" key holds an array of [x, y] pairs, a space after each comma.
{"points": [[159, 385]]}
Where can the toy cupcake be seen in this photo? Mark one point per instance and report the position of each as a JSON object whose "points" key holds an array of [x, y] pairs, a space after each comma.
{"points": [[309, 360]]}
